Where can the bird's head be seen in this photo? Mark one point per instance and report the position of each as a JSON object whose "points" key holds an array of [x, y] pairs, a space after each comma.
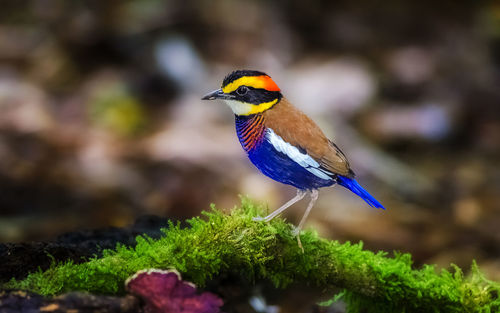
{"points": [[247, 92]]}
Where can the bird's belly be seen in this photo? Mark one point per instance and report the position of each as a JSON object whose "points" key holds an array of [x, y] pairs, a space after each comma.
{"points": [[282, 168]]}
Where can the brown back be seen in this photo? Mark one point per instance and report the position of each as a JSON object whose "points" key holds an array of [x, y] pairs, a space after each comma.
{"points": [[299, 130]]}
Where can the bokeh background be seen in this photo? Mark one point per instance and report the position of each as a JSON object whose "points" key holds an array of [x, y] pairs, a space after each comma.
{"points": [[101, 119]]}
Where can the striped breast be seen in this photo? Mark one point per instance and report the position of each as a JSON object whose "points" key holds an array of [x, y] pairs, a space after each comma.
{"points": [[250, 130]]}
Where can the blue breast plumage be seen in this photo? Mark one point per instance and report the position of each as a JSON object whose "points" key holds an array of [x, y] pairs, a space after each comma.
{"points": [[277, 159]]}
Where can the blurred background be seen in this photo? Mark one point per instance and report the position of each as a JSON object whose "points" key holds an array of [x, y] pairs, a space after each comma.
{"points": [[101, 119]]}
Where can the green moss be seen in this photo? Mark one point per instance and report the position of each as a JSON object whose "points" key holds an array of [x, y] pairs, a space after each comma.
{"points": [[233, 244]]}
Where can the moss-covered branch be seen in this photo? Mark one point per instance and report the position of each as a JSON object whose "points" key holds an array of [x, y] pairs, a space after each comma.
{"points": [[234, 244]]}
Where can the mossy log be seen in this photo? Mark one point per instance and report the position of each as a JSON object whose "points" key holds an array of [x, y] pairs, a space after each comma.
{"points": [[233, 244]]}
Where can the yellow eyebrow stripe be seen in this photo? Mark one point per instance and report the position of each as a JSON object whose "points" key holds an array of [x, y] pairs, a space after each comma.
{"points": [[258, 82]]}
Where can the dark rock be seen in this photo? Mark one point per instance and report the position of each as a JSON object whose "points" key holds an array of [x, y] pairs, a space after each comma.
{"points": [[92, 303], [20, 301], [19, 259]]}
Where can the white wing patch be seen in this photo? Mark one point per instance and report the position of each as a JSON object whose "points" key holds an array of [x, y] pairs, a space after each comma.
{"points": [[293, 153]]}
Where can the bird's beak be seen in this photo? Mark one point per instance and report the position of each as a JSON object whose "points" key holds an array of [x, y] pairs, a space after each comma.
{"points": [[217, 94]]}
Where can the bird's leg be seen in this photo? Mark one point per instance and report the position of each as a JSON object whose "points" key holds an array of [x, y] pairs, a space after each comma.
{"points": [[296, 231], [299, 196]]}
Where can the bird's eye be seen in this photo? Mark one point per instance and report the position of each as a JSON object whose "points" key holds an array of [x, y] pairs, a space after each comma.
{"points": [[242, 90]]}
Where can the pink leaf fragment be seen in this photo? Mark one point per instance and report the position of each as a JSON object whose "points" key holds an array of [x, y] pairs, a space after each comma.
{"points": [[165, 292]]}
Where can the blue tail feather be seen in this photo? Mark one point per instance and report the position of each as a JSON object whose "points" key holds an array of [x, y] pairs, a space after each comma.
{"points": [[353, 186]]}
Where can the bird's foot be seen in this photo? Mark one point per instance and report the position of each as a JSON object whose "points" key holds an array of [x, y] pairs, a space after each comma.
{"points": [[296, 232], [300, 243]]}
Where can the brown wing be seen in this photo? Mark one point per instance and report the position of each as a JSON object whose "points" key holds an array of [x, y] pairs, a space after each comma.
{"points": [[299, 130]]}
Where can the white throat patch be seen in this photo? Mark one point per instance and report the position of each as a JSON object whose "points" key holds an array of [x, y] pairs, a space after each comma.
{"points": [[239, 108]]}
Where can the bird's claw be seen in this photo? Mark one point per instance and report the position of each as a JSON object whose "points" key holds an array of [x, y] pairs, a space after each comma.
{"points": [[296, 233], [258, 219]]}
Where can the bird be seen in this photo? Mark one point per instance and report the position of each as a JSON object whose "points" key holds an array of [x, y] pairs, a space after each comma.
{"points": [[283, 142]]}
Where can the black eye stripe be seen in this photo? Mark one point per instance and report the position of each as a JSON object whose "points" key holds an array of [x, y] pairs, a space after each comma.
{"points": [[242, 90], [253, 89], [256, 95]]}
